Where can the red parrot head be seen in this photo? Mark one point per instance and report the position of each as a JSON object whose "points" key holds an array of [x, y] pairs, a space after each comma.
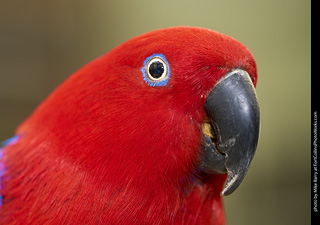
{"points": [[160, 114]]}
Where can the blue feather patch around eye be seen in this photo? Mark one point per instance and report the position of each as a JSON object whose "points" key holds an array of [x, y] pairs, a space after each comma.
{"points": [[10, 141], [163, 79]]}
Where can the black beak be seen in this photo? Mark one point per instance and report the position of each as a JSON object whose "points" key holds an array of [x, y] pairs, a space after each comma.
{"points": [[234, 115]]}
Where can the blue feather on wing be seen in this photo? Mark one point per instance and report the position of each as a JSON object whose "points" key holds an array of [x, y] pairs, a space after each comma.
{"points": [[3, 144]]}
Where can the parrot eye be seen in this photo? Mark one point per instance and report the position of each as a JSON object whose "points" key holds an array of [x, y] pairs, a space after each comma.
{"points": [[156, 70]]}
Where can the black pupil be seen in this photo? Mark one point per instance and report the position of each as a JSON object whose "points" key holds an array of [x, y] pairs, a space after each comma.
{"points": [[156, 69]]}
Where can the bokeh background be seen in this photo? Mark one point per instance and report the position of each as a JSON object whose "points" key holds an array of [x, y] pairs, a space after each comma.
{"points": [[43, 42]]}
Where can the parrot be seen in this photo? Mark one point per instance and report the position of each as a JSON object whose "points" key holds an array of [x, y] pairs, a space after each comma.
{"points": [[155, 131]]}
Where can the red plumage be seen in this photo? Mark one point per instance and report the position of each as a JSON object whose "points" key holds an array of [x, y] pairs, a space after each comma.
{"points": [[106, 148]]}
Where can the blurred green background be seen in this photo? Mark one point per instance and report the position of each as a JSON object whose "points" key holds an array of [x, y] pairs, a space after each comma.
{"points": [[43, 42]]}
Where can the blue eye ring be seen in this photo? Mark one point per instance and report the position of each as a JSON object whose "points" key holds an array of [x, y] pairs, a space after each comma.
{"points": [[164, 71]]}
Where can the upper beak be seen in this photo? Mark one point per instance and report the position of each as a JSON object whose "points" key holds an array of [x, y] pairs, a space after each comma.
{"points": [[233, 110]]}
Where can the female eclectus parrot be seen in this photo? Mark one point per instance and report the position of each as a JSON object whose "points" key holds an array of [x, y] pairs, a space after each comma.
{"points": [[153, 132]]}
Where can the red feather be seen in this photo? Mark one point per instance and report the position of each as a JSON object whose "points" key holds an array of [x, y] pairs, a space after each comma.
{"points": [[106, 148]]}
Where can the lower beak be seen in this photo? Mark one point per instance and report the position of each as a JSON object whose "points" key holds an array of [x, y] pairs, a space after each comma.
{"points": [[234, 115]]}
